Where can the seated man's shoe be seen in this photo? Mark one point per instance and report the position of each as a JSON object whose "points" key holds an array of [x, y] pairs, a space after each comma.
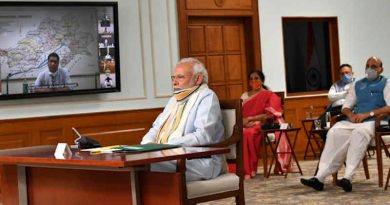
{"points": [[313, 183], [345, 184]]}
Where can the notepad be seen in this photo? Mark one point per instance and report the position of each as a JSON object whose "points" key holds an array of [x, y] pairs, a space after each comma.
{"points": [[144, 147]]}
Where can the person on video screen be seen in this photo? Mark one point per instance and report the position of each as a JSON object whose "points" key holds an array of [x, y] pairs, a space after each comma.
{"points": [[54, 78]]}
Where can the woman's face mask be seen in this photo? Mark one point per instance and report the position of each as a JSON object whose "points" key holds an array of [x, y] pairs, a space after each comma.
{"points": [[255, 84], [371, 74], [346, 78]]}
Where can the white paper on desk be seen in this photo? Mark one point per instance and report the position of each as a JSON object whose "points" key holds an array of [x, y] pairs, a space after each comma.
{"points": [[271, 137], [62, 151]]}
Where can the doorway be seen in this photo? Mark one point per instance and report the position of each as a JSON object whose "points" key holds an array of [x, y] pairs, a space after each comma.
{"points": [[220, 44]]}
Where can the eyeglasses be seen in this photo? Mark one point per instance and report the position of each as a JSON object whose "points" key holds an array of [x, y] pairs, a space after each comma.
{"points": [[372, 67], [178, 77]]}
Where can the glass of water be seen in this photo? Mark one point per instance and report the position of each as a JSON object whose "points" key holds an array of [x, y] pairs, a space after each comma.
{"points": [[317, 124]]}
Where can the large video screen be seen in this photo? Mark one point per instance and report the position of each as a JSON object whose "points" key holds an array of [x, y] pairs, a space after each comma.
{"points": [[58, 48]]}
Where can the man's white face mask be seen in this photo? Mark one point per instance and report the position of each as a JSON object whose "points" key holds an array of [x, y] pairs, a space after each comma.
{"points": [[371, 74]]}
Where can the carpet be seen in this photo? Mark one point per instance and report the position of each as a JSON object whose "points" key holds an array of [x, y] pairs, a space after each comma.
{"points": [[280, 190]]}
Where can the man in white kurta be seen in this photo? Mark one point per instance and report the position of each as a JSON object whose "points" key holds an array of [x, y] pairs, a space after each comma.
{"points": [[337, 94], [348, 140], [192, 117]]}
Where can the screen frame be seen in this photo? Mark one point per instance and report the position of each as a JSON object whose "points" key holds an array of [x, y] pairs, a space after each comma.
{"points": [[115, 22]]}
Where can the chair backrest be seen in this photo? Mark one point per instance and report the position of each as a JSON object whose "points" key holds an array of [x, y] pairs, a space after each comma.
{"points": [[280, 94], [232, 120]]}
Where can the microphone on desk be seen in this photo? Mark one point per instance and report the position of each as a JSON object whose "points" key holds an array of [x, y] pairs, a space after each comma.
{"points": [[76, 141], [85, 142]]}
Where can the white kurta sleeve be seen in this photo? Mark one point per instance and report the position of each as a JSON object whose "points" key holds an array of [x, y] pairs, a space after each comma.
{"points": [[333, 95], [350, 99], [386, 92]]}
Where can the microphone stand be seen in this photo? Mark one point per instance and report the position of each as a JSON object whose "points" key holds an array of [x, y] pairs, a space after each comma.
{"points": [[6, 82], [7, 79]]}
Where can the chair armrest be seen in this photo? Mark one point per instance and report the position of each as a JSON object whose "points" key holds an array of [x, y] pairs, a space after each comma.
{"points": [[379, 117], [233, 139], [337, 118]]}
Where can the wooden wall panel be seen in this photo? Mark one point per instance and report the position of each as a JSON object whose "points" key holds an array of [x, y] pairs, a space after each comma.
{"points": [[202, 59], [220, 90], [119, 127], [214, 39], [216, 69], [50, 136], [235, 91], [230, 34], [14, 139], [219, 4], [197, 39], [234, 69]]}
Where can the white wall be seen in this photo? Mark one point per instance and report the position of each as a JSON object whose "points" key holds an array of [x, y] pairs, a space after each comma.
{"points": [[149, 49], [363, 32]]}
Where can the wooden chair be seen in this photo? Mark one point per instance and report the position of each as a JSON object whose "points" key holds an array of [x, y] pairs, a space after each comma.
{"points": [[387, 181], [227, 184], [379, 142], [193, 192], [382, 141]]}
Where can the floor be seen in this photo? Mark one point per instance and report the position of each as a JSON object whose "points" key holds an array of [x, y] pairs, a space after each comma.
{"points": [[280, 190]]}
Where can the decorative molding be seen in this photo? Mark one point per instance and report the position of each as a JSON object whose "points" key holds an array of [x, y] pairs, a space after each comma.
{"points": [[156, 95], [142, 52], [123, 127], [219, 3]]}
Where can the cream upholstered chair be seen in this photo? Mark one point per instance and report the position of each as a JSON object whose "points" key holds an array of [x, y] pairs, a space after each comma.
{"points": [[174, 186], [226, 184]]}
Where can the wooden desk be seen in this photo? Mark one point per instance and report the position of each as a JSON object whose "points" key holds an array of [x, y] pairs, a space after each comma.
{"points": [[32, 175]]}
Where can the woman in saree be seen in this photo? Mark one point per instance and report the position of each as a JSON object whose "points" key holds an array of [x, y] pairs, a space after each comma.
{"points": [[260, 104]]}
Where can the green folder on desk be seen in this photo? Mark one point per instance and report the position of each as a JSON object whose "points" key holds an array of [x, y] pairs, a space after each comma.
{"points": [[144, 147]]}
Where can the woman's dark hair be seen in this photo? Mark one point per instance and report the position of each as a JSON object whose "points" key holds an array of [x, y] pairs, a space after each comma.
{"points": [[261, 75]]}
